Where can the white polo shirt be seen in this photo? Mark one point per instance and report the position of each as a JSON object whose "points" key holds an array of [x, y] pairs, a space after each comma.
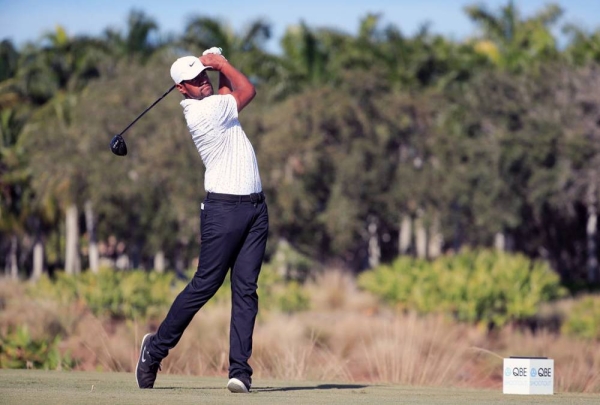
{"points": [[226, 151]]}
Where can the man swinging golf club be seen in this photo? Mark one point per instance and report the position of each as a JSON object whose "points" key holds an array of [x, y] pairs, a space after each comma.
{"points": [[234, 217]]}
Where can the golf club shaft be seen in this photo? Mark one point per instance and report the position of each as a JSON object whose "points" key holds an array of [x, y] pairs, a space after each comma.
{"points": [[147, 109]]}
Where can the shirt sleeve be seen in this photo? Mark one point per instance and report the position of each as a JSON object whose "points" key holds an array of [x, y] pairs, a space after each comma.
{"points": [[225, 109], [215, 113]]}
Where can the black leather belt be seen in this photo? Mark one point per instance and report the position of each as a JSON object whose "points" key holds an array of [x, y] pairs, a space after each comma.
{"points": [[253, 198]]}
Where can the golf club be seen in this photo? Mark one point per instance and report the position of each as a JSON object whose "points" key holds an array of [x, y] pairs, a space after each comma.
{"points": [[117, 144]]}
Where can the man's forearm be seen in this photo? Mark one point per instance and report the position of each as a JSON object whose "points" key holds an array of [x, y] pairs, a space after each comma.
{"points": [[235, 79], [242, 89], [224, 84]]}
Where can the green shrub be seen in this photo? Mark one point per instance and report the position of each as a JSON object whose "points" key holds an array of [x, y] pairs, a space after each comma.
{"points": [[19, 350], [275, 293], [583, 320], [293, 298], [140, 294], [132, 294], [474, 286]]}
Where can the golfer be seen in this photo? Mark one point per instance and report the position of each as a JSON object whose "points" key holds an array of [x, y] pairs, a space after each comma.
{"points": [[234, 217]]}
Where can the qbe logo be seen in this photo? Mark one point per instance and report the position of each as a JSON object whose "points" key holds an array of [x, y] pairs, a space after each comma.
{"points": [[541, 372], [519, 371], [507, 371]]}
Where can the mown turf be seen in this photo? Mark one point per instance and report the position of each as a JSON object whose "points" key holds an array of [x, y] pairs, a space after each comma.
{"points": [[52, 387]]}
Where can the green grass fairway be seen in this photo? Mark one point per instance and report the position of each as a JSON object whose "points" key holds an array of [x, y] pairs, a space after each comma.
{"points": [[82, 388]]}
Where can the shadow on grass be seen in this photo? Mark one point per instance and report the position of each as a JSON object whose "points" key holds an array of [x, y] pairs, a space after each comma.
{"points": [[318, 387], [274, 389]]}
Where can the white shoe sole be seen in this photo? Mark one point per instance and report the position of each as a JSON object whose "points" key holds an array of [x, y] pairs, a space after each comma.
{"points": [[236, 386], [138, 362]]}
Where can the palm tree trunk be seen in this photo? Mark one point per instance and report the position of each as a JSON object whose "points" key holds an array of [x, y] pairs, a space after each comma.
{"points": [[94, 256], [72, 260], [38, 252], [374, 249], [405, 236], [13, 266], [500, 241], [420, 237], [591, 234], [159, 262], [436, 240], [38, 260]]}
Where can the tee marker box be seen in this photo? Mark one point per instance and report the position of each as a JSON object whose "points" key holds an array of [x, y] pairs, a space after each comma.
{"points": [[528, 376]]}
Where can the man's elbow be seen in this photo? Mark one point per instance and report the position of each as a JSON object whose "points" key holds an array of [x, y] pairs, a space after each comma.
{"points": [[244, 97], [249, 93]]}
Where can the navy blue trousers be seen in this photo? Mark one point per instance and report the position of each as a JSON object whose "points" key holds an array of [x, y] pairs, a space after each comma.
{"points": [[234, 236]]}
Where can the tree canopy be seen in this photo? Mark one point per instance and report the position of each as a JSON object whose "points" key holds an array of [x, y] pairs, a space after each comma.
{"points": [[469, 141]]}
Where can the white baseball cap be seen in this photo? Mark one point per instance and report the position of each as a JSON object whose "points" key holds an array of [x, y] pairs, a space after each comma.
{"points": [[186, 68]]}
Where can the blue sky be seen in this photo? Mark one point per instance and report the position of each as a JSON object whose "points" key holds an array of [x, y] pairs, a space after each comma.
{"points": [[27, 20]]}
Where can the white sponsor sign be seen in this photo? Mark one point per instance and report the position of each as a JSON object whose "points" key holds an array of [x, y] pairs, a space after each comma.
{"points": [[528, 376]]}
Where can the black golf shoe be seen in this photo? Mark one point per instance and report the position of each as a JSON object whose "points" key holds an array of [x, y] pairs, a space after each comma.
{"points": [[239, 385], [147, 368]]}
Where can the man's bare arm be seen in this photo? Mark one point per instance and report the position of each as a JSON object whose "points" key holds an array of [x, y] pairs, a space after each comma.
{"points": [[238, 84], [224, 84]]}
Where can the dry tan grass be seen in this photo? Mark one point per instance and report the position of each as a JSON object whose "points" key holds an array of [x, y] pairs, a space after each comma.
{"points": [[40, 317], [336, 289], [203, 349], [347, 336]]}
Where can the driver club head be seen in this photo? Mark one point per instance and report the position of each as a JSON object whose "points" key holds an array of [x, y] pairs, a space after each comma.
{"points": [[118, 146]]}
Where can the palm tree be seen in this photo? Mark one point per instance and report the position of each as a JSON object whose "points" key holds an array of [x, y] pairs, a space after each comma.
{"points": [[306, 56], [141, 39], [245, 49], [583, 47], [66, 184], [518, 42], [15, 190], [8, 60], [49, 76]]}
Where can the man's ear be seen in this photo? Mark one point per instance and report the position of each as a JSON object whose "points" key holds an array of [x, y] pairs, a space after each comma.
{"points": [[181, 89]]}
